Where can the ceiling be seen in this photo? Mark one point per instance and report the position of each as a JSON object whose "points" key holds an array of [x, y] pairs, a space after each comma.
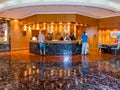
{"points": [[19, 9]]}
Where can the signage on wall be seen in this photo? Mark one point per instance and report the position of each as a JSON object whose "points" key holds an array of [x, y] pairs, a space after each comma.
{"points": [[115, 34], [3, 31]]}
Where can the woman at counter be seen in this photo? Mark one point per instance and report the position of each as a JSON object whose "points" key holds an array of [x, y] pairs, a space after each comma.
{"points": [[42, 45]]}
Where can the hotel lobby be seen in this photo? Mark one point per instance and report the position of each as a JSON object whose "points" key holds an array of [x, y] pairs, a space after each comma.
{"points": [[64, 67]]}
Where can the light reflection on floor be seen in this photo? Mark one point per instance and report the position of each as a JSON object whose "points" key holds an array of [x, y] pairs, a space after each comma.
{"points": [[66, 75]]}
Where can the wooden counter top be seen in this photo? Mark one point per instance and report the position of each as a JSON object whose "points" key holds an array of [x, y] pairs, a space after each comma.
{"points": [[55, 41]]}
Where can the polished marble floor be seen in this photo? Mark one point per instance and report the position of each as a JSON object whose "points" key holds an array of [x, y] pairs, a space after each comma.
{"points": [[21, 70]]}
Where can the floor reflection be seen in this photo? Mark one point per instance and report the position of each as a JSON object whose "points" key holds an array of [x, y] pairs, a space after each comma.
{"points": [[66, 75], [85, 64]]}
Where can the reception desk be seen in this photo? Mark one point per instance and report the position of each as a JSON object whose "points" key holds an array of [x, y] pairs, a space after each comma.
{"points": [[56, 47]]}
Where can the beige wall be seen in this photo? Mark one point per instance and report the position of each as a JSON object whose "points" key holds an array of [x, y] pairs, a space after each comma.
{"points": [[92, 37], [104, 36], [18, 40], [49, 18], [91, 29], [106, 25]]}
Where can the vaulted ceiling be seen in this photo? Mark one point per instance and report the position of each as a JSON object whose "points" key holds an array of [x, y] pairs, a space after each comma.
{"points": [[93, 8]]}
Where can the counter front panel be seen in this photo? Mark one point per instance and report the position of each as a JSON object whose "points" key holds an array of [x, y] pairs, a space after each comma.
{"points": [[57, 47]]}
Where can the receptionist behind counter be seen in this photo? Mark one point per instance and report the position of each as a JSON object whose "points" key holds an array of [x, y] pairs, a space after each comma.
{"points": [[49, 36], [72, 37], [61, 38], [67, 38]]}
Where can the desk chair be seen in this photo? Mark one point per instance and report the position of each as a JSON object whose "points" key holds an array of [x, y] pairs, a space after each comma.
{"points": [[116, 49], [100, 47]]}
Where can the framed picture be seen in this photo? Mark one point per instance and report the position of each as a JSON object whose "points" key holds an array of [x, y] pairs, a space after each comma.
{"points": [[4, 32], [115, 34]]}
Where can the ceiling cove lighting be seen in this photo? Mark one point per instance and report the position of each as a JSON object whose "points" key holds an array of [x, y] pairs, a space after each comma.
{"points": [[107, 4]]}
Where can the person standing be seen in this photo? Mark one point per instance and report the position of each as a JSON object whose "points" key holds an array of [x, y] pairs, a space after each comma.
{"points": [[67, 38], [84, 43], [72, 37], [49, 37], [42, 45]]}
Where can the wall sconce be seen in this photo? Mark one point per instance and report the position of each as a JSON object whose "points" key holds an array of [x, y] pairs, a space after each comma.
{"points": [[44, 26], [24, 30], [37, 27]]}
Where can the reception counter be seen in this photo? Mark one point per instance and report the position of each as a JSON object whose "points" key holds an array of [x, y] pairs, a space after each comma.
{"points": [[56, 47]]}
